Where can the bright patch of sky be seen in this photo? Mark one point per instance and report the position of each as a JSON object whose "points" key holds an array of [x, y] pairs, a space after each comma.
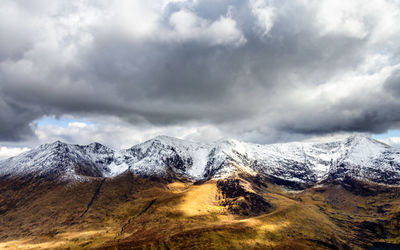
{"points": [[63, 122], [6, 152], [388, 134]]}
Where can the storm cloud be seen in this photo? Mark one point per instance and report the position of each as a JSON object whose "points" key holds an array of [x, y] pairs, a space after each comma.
{"points": [[257, 70]]}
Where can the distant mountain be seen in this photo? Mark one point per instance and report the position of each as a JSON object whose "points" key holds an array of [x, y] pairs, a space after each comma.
{"points": [[297, 165], [59, 160], [168, 193]]}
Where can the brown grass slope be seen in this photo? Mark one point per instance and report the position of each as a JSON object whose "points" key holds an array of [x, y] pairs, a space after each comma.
{"points": [[129, 212]]}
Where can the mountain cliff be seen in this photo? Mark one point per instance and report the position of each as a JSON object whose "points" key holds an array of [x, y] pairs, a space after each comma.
{"points": [[168, 193], [294, 164]]}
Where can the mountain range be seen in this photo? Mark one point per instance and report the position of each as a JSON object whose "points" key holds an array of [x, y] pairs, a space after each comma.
{"points": [[205, 192], [296, 164]]}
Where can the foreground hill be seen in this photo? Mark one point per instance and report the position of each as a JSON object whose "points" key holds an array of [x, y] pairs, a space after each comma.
{"points": [[172, 194]]}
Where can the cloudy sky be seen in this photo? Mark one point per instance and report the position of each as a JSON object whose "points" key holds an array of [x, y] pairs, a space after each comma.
{"points": [[121, 72]]}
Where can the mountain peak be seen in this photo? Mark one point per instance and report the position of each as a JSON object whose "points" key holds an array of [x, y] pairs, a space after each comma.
{"points": [[96, 145], [306, 163], [359, 137], [364, 139], [165, 139], [56, 143]]}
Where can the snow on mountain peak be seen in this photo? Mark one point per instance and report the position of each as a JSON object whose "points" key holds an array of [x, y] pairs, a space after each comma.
{"points": [[305, 163]]}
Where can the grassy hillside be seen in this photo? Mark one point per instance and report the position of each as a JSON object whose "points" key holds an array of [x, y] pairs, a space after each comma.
{"points": [[242, 213]]}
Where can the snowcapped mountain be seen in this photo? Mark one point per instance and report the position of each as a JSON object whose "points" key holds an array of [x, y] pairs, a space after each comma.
{"points": [[303, 164], [59, 159]]}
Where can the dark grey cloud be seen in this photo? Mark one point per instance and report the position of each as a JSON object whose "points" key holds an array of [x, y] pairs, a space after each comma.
{"points": [[253, 68], [392, 85], [16, 120]]}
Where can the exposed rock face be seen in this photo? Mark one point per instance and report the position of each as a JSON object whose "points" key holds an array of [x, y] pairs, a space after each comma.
{"points": [[169, 193], [295, 165], [242, 201], [59, 160]]}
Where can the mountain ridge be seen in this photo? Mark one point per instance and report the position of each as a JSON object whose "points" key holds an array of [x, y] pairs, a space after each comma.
{"points": [[337, 195], [301, 163]]}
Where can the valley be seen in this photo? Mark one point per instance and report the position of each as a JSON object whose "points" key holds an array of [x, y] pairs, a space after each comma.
{"points": [[59, 197], [136, 213]]}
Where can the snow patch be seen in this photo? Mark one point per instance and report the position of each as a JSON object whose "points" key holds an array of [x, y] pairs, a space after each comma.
{"points": [[306, 163]]}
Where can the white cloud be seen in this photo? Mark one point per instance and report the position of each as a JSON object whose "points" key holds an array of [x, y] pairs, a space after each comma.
{"points": [[137, 19], [77, 124], [188, 26], [355, 85], [6, 152], [392, 141], [118, 134], [325, 60], [264, 14], [358, 18], [342, 17], [141, 21]]}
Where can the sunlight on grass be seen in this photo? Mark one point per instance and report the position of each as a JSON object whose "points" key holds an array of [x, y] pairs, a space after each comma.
{"points": [[63, 240], [201, 200], [178, 187]]}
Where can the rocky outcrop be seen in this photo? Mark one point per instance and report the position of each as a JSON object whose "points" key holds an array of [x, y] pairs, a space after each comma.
{"points": [[294, 165], [242, 201]]}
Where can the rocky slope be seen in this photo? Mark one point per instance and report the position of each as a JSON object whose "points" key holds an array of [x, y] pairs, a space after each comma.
{"points": [[297, 165], [168, 193]]}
